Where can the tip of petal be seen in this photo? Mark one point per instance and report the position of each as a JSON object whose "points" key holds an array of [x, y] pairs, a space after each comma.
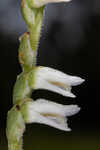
{"points": [[76, 109], [67, 129], [76, 81], [68, 94], [72, 95], [81, 80], [71, 110]]}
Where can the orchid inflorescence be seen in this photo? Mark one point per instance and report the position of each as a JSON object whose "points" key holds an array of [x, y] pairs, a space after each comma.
{"points": [[25, 109]]}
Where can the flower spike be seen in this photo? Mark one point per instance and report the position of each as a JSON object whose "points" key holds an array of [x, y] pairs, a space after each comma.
{"points": [[49, 113], [25, 110], [56, 81]]}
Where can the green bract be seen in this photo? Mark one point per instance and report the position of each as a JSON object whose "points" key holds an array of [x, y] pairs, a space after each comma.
{"points": [[22, 89], [15, 128]]}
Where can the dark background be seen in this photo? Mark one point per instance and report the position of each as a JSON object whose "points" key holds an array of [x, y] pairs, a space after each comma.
{"points": [[70, 42]]}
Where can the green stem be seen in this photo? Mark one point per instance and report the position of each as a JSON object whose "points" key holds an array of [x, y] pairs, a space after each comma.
{"points": [[22, 89], [34, 41]]}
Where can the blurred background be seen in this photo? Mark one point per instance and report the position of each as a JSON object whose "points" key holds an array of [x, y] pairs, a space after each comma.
{"points": [[70, 42]]}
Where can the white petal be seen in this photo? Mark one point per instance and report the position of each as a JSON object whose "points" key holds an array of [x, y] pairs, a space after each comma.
{"points": [[53, 75], [39, 3], [40, 84], [54, 122], [75, 80], [45, 106]]}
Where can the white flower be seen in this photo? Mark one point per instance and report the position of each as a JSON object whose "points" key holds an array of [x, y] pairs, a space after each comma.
{"points": [[39, 3], [49, 113], [56, 81]]}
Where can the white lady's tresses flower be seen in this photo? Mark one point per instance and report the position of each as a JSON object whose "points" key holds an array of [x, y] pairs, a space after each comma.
{"points": [[39, 3], [54, 80], [49, 113]]}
